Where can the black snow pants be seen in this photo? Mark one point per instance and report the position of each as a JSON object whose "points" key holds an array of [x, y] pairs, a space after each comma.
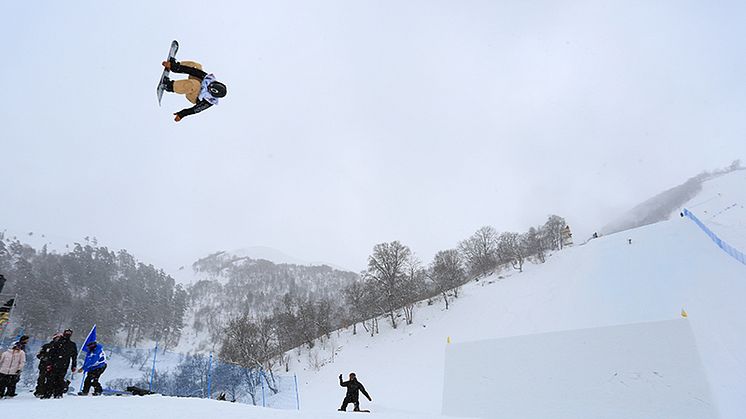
{"points": [[91, 379], [55, 382], [354, 400], [41, 382], [8, 385]]}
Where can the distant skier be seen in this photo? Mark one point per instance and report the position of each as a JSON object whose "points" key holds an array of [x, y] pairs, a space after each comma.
{"points": [[94, 365], [200, 88], [354, 387], [11, 365]]}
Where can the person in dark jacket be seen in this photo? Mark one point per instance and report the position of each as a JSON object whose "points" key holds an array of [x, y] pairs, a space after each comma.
{"points": [[45, 367], [63, 354], [94, 365], [354, 388], [200, 88]]}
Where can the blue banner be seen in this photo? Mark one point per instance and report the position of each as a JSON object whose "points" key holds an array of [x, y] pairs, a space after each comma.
{"points": [[732, 251]]}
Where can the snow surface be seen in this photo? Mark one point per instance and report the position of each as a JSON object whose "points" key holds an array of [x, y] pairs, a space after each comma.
{"points": [[641, 370], [149, 407], [721, 207]]}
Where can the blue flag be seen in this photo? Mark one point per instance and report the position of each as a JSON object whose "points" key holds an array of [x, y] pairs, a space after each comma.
{"points": [[91, 338]]}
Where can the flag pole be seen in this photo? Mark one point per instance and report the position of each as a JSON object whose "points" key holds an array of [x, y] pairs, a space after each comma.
{"points": [[85, 342]]}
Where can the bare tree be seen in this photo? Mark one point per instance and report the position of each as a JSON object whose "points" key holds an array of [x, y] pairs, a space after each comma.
{"points": [[250, 343], [413, 288], [354, 295], [447, 273], [512, 248], [480, 251], [387, 269], [535, 244], [553, 231]]}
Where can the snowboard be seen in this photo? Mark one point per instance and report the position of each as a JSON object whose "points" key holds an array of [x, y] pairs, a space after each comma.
{"points": [[358, 411], [161, 86]]}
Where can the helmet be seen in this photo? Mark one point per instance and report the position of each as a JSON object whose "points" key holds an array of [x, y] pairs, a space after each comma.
{"points": [[217, 89]]}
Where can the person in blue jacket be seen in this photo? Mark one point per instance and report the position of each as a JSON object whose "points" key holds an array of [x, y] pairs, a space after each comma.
{"points": [[94, 365]]}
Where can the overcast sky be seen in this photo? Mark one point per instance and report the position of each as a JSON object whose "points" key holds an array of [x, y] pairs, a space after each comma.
{"points": [[350, 123]]}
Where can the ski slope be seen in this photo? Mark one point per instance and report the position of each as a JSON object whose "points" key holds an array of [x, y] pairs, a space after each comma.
{"points": [[720, 205], [668, 267]]}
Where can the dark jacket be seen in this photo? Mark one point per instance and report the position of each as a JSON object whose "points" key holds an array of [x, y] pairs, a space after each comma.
{"points": [[44, 355], [63, 353], [354, 388]]}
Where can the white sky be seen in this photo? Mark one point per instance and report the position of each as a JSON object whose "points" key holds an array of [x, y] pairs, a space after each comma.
{"points": [[351, 123]]}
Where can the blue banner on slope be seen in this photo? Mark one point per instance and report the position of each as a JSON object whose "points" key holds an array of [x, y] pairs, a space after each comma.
{"points": [[732, 251]]}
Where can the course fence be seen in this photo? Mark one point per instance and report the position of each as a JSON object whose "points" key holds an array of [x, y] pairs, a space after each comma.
{"points": [[176, 374], [730, 250]]}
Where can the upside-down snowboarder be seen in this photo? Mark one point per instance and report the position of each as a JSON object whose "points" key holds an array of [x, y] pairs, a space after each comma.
{"points": [[200, 88], [354, 388]]}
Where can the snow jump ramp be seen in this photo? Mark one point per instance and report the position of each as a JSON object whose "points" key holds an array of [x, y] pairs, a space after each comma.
{"points": [[643, 370]]}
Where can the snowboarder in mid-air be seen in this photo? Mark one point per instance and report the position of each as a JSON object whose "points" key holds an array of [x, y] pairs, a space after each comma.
{"points": [[354, 387], [200, 88]]}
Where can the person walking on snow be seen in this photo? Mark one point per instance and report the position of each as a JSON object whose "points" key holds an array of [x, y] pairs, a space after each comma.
{"points": [[94, 365], [200, 88], [354, 388], [11, 365]]}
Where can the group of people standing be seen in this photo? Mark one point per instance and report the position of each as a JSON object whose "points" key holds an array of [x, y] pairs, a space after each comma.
{"points": [[55, 358]]}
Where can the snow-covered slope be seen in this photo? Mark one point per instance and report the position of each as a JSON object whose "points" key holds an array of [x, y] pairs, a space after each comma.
{"points": [[160, 407], [668, 266], [720, 205]]}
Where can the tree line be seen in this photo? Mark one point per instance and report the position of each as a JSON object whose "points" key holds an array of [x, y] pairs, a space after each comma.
{"points": [[128, 300], [394, 281]]}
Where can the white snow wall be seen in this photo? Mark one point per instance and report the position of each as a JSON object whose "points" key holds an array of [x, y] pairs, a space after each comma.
{"points": [[643, 370]]}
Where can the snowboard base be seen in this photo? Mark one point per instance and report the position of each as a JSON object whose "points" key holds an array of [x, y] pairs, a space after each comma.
{"points": [[164, 75]]}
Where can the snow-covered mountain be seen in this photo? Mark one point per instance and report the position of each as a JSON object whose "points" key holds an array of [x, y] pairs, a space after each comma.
{"points": [[229, 284]]}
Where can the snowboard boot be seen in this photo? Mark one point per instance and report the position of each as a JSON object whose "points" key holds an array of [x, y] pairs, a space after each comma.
{"points": [[168, 85]]}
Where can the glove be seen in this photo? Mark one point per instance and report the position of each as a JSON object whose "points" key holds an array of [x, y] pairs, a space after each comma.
{"points": [[178, 117], [340, 376]]}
